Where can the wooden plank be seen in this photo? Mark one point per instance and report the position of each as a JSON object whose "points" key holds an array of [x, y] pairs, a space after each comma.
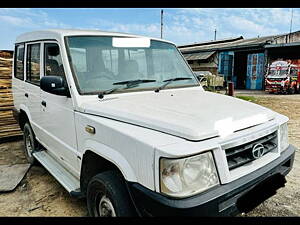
{"points": [[8, 125]]}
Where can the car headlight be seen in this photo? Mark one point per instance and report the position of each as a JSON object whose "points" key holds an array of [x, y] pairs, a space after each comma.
{"points": [[188, 176], [283, 134]]}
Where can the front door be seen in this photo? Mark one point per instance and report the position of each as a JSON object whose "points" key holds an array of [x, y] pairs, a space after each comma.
{"points": [[58, 113]]}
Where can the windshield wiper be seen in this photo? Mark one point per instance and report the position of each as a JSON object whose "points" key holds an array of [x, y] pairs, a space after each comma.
{"points": [[129, 84], [102, 93], [170, 81]]}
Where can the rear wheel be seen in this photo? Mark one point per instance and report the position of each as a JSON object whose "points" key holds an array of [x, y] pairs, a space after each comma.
{"points": [[30, 143], [107, 196]]}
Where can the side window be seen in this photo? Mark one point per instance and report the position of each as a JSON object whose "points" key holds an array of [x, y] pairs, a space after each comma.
{"points": [[53, 61], [33, 64], [19, 62]]}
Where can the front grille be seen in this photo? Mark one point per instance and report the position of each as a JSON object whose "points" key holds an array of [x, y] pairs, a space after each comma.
{"points": [[242, 154]]}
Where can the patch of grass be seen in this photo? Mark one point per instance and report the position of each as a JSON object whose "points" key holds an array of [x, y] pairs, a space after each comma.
{"points": [[247, 98]]}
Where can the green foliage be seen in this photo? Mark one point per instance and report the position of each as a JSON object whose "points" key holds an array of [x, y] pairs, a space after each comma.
{"points": [[247, 98]]}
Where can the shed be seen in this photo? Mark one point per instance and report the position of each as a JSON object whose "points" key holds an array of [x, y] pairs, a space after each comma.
{"points": [[243, 61]]}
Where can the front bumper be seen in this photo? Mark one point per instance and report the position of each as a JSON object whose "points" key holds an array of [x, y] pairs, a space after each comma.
{"points": [[274, 88], [230, 199]]}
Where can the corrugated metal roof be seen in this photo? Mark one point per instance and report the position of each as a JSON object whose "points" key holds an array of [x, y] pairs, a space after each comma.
{"points": [[242, 43], [198, 55], [283, 45], [211, 42]]}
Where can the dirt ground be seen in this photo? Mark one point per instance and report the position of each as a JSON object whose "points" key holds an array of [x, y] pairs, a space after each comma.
{"points": [[287, 200], [39, 194]]}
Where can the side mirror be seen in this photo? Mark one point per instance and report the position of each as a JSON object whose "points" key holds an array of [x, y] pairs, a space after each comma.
{"points": [[55, 85]]}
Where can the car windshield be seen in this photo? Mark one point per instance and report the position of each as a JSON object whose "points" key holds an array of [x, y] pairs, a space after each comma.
{"points": [[99, 65], [281, 72]]}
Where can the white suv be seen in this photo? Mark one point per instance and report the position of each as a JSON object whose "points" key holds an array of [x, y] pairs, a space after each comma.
{"points": [[121, 120]]}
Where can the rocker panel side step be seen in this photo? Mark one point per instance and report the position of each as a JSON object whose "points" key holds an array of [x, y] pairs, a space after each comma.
{"points": [[65, 178]]}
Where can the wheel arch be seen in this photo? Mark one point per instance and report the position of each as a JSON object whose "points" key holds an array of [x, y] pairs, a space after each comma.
{"points": [[100, 158], [24, 116]]}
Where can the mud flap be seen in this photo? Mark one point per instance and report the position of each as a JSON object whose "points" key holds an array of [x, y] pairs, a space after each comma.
{"points": [[260, 193]]}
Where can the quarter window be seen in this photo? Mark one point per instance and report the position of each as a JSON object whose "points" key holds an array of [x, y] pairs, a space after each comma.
{"points": [[33, 64], [19, 62]]}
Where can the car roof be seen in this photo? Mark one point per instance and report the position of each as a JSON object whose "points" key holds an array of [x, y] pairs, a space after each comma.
{"points": [[59, 34]]}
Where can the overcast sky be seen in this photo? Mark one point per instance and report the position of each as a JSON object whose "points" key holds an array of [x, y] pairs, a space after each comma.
{"points": [[182, 26]]}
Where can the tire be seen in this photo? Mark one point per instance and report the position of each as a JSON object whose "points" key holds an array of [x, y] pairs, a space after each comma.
{"points": [[292, 90], [109, 188], [30, 143]]}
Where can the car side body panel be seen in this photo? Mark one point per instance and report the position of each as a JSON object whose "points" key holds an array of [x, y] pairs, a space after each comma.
{"points": [[129, 147]]}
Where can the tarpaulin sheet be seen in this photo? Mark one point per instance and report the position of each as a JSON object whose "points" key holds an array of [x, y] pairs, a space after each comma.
{"points": [[11, 176]]}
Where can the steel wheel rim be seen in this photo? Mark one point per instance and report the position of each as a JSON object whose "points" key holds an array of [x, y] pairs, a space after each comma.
{"points": [[106, 208], [28, 144]]}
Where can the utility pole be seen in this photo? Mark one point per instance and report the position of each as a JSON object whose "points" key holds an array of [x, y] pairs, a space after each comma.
{"points": [[291, 22], [291, 26], [161, 23], [215, 34]]}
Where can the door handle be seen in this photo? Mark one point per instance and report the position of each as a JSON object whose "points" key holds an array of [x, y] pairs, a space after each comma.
{"points": [[26, 95], [44, 103]]}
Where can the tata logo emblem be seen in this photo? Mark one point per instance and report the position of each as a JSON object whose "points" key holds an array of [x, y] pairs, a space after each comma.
{"points": [[258, 151]]}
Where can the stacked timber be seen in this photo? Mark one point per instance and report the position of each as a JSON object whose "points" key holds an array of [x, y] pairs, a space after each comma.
{"points": [[8, 125]]}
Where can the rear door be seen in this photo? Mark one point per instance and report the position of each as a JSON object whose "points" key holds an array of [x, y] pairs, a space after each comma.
{"points": [[18, 78], [32, 85], [58, 113]]}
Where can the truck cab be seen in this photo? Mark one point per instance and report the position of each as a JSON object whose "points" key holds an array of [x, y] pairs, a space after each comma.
{"points": [[282, 77], [121, 120]]}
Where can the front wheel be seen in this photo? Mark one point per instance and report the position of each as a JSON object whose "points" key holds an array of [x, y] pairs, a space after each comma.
{"points": [[107, 196], [292, 90]]}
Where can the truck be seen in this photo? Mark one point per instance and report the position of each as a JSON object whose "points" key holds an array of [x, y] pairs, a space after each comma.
{"points": [[209, 80], [122, 121], [282, 77]]}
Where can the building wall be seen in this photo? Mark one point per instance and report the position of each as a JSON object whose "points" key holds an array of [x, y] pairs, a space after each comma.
{"points": [[289, 38], [210, 65], [239, 77]]}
